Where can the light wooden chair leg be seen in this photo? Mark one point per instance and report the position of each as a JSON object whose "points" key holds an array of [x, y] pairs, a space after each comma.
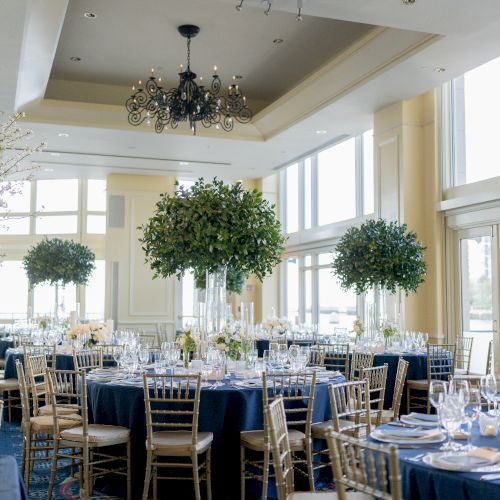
{"points": [[265, 475], [27, 467], [208, 465], [196, 476], [310, 468], [242, 472], [53, 470], [147, 478], [407, 400], [155, 481], [86, 487]]}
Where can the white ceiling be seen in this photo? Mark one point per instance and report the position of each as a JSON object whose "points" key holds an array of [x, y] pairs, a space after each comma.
{"points": [[383, 66]]}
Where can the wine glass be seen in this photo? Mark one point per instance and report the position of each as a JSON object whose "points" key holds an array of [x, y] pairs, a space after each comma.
{"points": [[450, 415], [461, 389], [471, 413], [438, 390], [488, 387], [293, 356], [282, 355]]}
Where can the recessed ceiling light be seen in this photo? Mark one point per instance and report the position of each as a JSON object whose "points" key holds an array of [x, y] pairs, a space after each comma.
{"points": [[48, 169], [439, 69], [184, 163], [321, 132], [90, 15], [63, 134], [277, 41], [75, 59], [55, 154]]}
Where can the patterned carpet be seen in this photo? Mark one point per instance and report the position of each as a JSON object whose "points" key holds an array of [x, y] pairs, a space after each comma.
{"points": [[66, 487]]}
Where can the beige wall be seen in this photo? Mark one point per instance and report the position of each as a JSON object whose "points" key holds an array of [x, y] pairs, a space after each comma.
{"points": [[141, 301], [407, 191]]}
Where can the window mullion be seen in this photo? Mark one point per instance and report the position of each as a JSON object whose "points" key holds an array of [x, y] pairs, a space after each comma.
{"points": [[359, 174]]}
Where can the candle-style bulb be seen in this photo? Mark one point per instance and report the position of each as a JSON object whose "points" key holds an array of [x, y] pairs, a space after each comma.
{"points": [[215, 69]]}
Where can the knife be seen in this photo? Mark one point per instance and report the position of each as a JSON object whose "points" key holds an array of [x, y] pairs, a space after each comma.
{"points": [[490, 477]]}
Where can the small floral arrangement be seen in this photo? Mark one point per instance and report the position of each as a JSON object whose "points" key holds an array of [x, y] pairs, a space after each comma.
{"points": [[44, 322], [357, 327], [91, 334], [389, 331], [229, 343], [188, 340], [278, 324]]}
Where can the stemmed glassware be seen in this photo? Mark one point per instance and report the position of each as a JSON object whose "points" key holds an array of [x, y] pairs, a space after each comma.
{"points": [[450, 415], [488, 387], [438, 390], [472, 411]]}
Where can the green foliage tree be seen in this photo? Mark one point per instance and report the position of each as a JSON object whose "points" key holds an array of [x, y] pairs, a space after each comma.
{"points": [[210, 225], [58, 262], [379, 253]]}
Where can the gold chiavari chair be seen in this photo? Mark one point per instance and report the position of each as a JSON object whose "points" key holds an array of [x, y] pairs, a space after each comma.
{"points": [[349, 402], [377, 379], [316, 356], [172, 408], [36, 366], [440, 366], [463, 355], [360, 360], [68, 389], [88, 359], [336, 357], [9, 388], [37, 430], [110, 351], [370, 469], [393, 412], [297, 391]]}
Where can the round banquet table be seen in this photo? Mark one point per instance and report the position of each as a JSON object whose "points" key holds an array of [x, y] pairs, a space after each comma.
{"points": [[263, 344], [63, 362], [420, 480], [225, 411], [5, 343]]}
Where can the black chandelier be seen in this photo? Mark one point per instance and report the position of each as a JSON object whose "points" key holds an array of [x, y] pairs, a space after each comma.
{"points": [[189, 102]]}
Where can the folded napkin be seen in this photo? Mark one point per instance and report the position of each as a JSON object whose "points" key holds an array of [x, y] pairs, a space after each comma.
{"points": [[411, 434], [424, 416], [490, 454]]}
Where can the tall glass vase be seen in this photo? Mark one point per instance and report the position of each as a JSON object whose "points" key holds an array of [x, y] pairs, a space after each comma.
{"points": [[56, 304], [215, 301]]}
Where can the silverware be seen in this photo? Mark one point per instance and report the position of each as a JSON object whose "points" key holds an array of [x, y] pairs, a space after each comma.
{"points": [[402, 424], [490, 477], [418, 457]]}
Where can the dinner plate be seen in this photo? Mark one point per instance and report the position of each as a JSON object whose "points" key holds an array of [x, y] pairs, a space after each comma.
{"points": [[406, 419], [379, 435], [453, 462]]}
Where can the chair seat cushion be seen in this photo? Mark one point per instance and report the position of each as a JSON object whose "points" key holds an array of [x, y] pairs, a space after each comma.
{"points": [[47, 410], [99, 435], [418, 384], [46, 423], [179, 443], [255, 440], [9, 384]]}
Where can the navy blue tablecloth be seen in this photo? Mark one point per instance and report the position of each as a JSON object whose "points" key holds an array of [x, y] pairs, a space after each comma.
{"points": [[423, 481], [225, 411], [4, 345], [11, 483]]}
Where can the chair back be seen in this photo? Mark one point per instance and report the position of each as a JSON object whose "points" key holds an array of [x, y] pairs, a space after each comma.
{"points": [[337, 357], [109, 350], [87, 359], [463, 353], [67, 390], [297, 393], [172, 403], [377, 379], [277, 432], [23, 393], [349, 403], [316, 356], [366, 467], [399, 386], [36, 366], [440, 361], [36, 349], [360, 360], [489, 358]]}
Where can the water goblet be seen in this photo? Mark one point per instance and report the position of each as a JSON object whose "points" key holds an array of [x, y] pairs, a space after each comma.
{"points": [[488, 387]]}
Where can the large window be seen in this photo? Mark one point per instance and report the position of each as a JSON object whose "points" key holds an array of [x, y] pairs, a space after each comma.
{"points": [[72, 208], [323, 191], [476, 107]]}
